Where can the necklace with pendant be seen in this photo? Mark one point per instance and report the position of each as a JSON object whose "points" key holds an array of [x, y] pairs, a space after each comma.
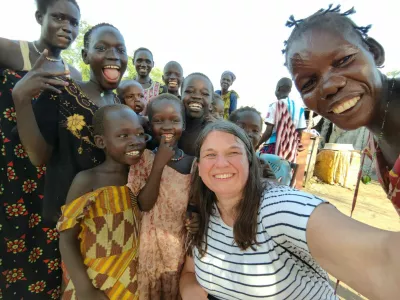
{"points": [[182, 154], [40, 53], [367, 177]]}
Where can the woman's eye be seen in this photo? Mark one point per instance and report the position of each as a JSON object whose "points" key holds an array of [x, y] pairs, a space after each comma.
{"points": [[121, 50], [100, 48], [123, 135], [342, 62]]}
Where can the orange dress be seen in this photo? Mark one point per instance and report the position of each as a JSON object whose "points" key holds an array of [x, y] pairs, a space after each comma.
{"points": [[162, 235], [109, 240]]}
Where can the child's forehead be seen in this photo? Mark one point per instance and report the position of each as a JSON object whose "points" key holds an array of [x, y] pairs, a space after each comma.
{"points": [[173, 67], [198, 81], [133, 87], [249, 116], [166, 105]]}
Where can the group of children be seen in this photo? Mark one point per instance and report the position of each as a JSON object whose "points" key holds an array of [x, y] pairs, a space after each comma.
{"points": [[139, 194]]}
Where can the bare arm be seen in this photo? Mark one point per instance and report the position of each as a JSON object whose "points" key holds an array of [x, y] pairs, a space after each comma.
{"points": [[39, 151], [266, 135], [33, 83], [149, 194], [365, 258], [189, 288], [10, 55], [69, 243]]}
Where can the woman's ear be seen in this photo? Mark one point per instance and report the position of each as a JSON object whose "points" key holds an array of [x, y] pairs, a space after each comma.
{"points": [[377, 51], [99, 141]]}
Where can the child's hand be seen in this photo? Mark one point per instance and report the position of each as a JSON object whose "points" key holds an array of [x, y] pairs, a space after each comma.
{"points": [[92, 294], [192, 222], [266, 171], [164, 153]]}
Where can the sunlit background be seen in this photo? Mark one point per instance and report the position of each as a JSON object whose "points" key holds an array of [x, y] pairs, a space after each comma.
{"points": [[212, 36]]}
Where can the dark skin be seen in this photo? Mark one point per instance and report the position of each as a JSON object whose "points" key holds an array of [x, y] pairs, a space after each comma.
{"points": [[226, 82], [59, 28], [173, 77], [330, 67], [143, 62], [133, 96], [122, 134], [196, 90], [218, 109], [106, 47], [167, 125], [283, 89], [251, 122]]}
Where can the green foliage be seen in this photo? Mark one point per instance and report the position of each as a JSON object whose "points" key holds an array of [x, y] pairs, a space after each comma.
{"points": [[73, 57], [393, 73], [73, 54]]}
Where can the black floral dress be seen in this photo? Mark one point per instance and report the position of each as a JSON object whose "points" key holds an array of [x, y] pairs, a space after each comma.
{"points": [[65, 122], [29, 256]]}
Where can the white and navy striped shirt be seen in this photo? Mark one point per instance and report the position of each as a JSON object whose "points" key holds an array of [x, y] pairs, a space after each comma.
{"points": [[280, 268]]}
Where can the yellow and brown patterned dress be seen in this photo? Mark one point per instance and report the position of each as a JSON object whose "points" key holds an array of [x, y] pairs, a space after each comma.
{"points": [[109, 240]]}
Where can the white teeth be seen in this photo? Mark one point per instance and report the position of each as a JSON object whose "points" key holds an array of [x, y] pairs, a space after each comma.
{"points": [[172, 83], [133, 153], [346, 105], [223, 176], [195, 106], [168, 137], [111, 67]]}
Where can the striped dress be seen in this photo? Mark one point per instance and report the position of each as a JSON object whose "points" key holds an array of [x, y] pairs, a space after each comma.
{"points": [[281, 267], [109, 240]]}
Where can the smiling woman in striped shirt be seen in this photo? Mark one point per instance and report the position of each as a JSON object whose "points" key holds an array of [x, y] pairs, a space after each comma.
{"points": [[260, 241]]}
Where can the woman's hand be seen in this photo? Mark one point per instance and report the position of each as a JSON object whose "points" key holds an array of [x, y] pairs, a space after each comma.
{"points": [[36, 81]]}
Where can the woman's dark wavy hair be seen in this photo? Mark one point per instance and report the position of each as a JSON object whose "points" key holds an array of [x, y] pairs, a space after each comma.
{"points": [[245, 228]]}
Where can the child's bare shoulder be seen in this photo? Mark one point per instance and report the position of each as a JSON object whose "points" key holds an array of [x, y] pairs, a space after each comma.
{"points": [[82, 184]]}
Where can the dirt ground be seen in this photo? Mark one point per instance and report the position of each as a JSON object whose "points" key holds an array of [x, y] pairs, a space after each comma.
{"points": [[372, 208]]}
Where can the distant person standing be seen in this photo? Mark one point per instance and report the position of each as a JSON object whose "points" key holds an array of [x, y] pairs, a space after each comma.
{"points": [[230, 97], [144, 63], [285, 120], [173, 77]]}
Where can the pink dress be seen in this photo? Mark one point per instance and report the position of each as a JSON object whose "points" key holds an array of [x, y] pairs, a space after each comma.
{"points": [[162, 235], [155, 89]]}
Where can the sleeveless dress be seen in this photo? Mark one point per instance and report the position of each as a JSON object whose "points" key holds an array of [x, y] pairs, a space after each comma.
{"points": [[109, 219], [29, 256], [162, 234]]}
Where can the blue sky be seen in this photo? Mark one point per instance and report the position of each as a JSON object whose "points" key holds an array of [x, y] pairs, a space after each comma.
{"points": [[211, 36]]}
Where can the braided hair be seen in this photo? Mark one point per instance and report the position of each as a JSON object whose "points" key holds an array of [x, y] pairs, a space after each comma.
{"points": [[332, 17], [86, 37]]}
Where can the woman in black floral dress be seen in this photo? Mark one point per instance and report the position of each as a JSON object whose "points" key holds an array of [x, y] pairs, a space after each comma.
{"points": [[29, 256], [57, 129]]}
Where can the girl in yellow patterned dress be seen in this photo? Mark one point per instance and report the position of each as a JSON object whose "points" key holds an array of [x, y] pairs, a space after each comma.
{"points": [[161, 180], [99, 226]]}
